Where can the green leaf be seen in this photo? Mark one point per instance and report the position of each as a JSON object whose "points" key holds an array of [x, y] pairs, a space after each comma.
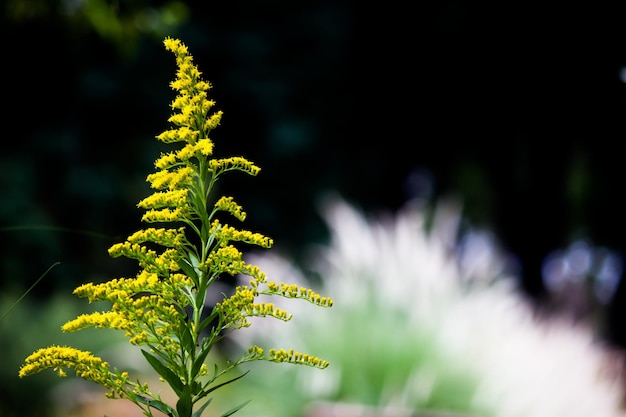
{"points": [[156, 404], [234, 410], [194, 260], [187, 339], [199, 411], [184, 404], [213, 388], [189, 270], [204, 323], [200, 360], [167, 374]]}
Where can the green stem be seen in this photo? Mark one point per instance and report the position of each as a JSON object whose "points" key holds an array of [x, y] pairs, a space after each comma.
{"points": [[28, 290]]}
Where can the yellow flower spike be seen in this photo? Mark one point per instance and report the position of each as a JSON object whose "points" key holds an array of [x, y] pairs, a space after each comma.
{"points": [[225, 233], [57, 357], [180, 119], [228, 204], [265, 310], [213, 121], [112, 320], [164, 179], [182, 134], [175, 46], [296, 358], [293, 291], [166, 161], [173, 238], [234, 163], [161, 199], [163, 216], [202, 147], [139, 339]]}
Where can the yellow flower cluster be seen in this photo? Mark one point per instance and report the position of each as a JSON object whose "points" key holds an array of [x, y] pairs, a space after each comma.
{"points": [[294, 291], [172, 180], [146, 308], [232, 308], [171, 238], [255, 352], [84, 363], [164, 216], [297, 358], [236, 162], [229, 260], [148, 259], [161, 199], [236, 308], [192, 101], [102, 320], [266, 309], [228, 204], [224, 233]]}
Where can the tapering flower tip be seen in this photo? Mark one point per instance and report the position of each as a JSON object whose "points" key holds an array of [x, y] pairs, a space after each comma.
{"points": [[163, 216], [254, 352], [229, 205], [231, 309], [225, 233], [192, 118], [213, 121], [84, 363], [294, 291], [233, 163], [172, 238], [104, 320], [267, 309], [148, 259], [203, 147], [163, 199], [171, 180], [182, 134], [296, 358], [175, 46]]}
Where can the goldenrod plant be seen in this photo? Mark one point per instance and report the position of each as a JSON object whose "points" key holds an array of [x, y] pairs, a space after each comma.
{"points": [[163, 309]]}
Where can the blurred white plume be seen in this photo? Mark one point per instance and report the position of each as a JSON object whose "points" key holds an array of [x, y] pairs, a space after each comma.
{"points": [[408, 288]]}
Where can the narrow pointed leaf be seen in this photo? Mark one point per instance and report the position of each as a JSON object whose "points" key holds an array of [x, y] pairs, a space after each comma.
{"points": [[199, 411], [213, 388], [156, 404], [234, 410], [189, 270], [187, 339], [200, 360], [204, 323], [168, 375]]}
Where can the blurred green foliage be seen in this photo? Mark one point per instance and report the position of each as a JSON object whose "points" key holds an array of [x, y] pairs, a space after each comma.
{"points": [[122, 23], [373, 360], [23, 330]]}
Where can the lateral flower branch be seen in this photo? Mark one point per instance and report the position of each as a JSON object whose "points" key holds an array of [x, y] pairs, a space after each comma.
{"points": [[163, 308]]}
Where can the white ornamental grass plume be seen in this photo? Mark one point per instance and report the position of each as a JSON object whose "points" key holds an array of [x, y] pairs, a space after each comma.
{"points": [[427, 321]]}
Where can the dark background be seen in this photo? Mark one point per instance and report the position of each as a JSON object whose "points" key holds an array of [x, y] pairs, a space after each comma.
{"points": [[516, 107]]}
